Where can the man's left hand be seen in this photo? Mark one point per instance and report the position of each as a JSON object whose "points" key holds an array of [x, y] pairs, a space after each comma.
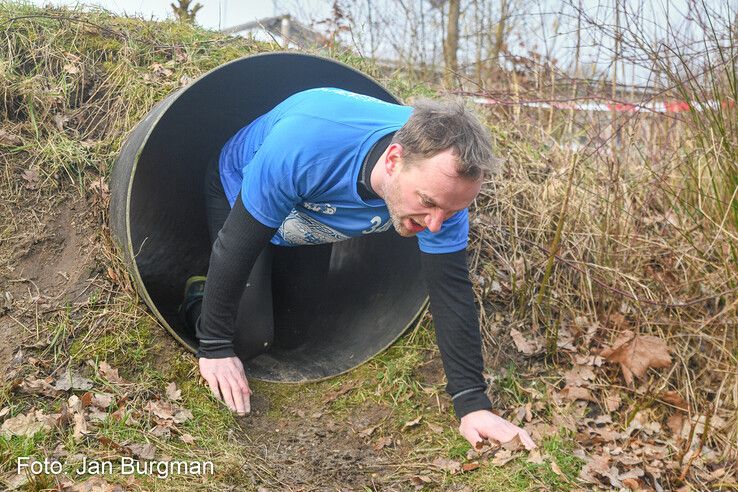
{"points": [[483, 424]]}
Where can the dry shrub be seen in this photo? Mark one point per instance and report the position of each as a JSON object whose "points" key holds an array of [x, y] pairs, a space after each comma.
{"points": [[635, 230]]}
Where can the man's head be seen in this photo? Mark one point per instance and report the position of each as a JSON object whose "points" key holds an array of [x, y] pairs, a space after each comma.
{"points": [[434, 166]]}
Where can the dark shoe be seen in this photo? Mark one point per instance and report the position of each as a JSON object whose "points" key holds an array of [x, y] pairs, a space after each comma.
{"points": [[193, 293]]}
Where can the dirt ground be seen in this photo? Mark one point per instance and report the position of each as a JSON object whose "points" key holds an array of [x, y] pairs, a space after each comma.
{"points": [[49, 259], [310, 445]]}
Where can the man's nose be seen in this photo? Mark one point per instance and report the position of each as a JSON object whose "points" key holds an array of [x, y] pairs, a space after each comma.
{"points": [[434, 220]]}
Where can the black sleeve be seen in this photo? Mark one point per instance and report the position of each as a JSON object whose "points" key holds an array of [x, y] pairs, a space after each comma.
{"points": [[456, 323], [234, 253]]}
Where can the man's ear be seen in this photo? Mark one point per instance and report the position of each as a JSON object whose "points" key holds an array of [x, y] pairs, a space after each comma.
{"points": [[393, 161]]}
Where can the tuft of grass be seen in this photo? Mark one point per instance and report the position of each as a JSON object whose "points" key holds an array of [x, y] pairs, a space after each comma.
{"points": [[519, 475]]}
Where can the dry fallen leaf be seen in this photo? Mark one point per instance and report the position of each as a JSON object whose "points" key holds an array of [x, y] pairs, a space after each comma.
{"points": [[72, 380], [420, 480], [502, 457], [110, 373], [451, 466], [675, 399], [8, 139], [382, 443], [523, 345], [574, 393], [25, 425], [95, 484], [535, 457], [467, 467], [39, 387], [144, 451], [412, 423], [579, 375], [514, 444], [612, 403], [436, 429], [636, 353], [80, 426], [172, 392], [368, 431]]}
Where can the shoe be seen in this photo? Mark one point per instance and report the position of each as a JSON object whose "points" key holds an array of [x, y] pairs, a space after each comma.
{"points": [[193, 292]]}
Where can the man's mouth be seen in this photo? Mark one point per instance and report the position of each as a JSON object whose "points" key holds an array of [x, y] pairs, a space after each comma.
{"points": [[414, 226]]}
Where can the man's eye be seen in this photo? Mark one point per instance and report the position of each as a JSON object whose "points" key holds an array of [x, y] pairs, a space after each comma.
{"points": [[426, 203]]}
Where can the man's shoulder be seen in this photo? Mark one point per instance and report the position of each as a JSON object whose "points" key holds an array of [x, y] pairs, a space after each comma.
{"points": [[337, 104], [339, 95]]}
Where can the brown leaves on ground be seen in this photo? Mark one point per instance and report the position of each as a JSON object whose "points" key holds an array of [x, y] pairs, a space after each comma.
{"points": [[8, 139], [527, 347], [27, 424], [412, 423], [623, 443], [72, 380], [637, 353], [82, 413], [166, 411], [31, 177], [110, 373], [345, 388], [172, 393], [95, 484]]}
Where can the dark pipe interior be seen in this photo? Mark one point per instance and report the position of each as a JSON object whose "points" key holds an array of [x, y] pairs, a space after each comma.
{"points": [[373, 290]]}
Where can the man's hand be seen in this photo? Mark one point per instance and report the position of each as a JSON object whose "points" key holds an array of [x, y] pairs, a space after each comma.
{"points": [[483, 424], [227, 380]]}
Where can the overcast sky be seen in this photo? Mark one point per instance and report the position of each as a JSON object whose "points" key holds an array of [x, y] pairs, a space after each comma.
{"points": [[215, 14]]}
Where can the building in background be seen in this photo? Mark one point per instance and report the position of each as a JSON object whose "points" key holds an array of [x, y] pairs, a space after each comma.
{"points": [[282, 29]]}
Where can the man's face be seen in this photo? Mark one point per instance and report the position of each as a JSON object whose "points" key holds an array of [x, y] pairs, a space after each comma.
{"points": [[426, 193]]}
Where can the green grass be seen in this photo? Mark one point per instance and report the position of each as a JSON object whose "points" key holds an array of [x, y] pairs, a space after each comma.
{"points": [[519, 475]]}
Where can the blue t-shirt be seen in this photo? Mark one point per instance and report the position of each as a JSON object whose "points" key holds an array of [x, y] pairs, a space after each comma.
{"points": [[297, 167]]}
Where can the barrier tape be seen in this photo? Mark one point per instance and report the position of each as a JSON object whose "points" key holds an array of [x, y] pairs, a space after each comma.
{"points": [[653, 107]]}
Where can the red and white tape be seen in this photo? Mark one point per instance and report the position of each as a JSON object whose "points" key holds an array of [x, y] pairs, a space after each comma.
{"points": [[653, 106]]}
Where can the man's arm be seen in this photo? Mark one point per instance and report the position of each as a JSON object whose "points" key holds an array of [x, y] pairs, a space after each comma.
{"points": [[456, 323], [457, 329], [239, 244], [234, 253]]}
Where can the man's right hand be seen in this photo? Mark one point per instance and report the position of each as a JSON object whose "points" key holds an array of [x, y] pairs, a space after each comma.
{"points": [[227, 380]]}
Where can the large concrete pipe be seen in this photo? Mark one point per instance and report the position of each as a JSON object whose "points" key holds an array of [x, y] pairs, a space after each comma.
{"points": [[373, 290]]}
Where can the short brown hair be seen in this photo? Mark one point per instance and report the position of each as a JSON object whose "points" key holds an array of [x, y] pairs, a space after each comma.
{"points": [[435, 126]]}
